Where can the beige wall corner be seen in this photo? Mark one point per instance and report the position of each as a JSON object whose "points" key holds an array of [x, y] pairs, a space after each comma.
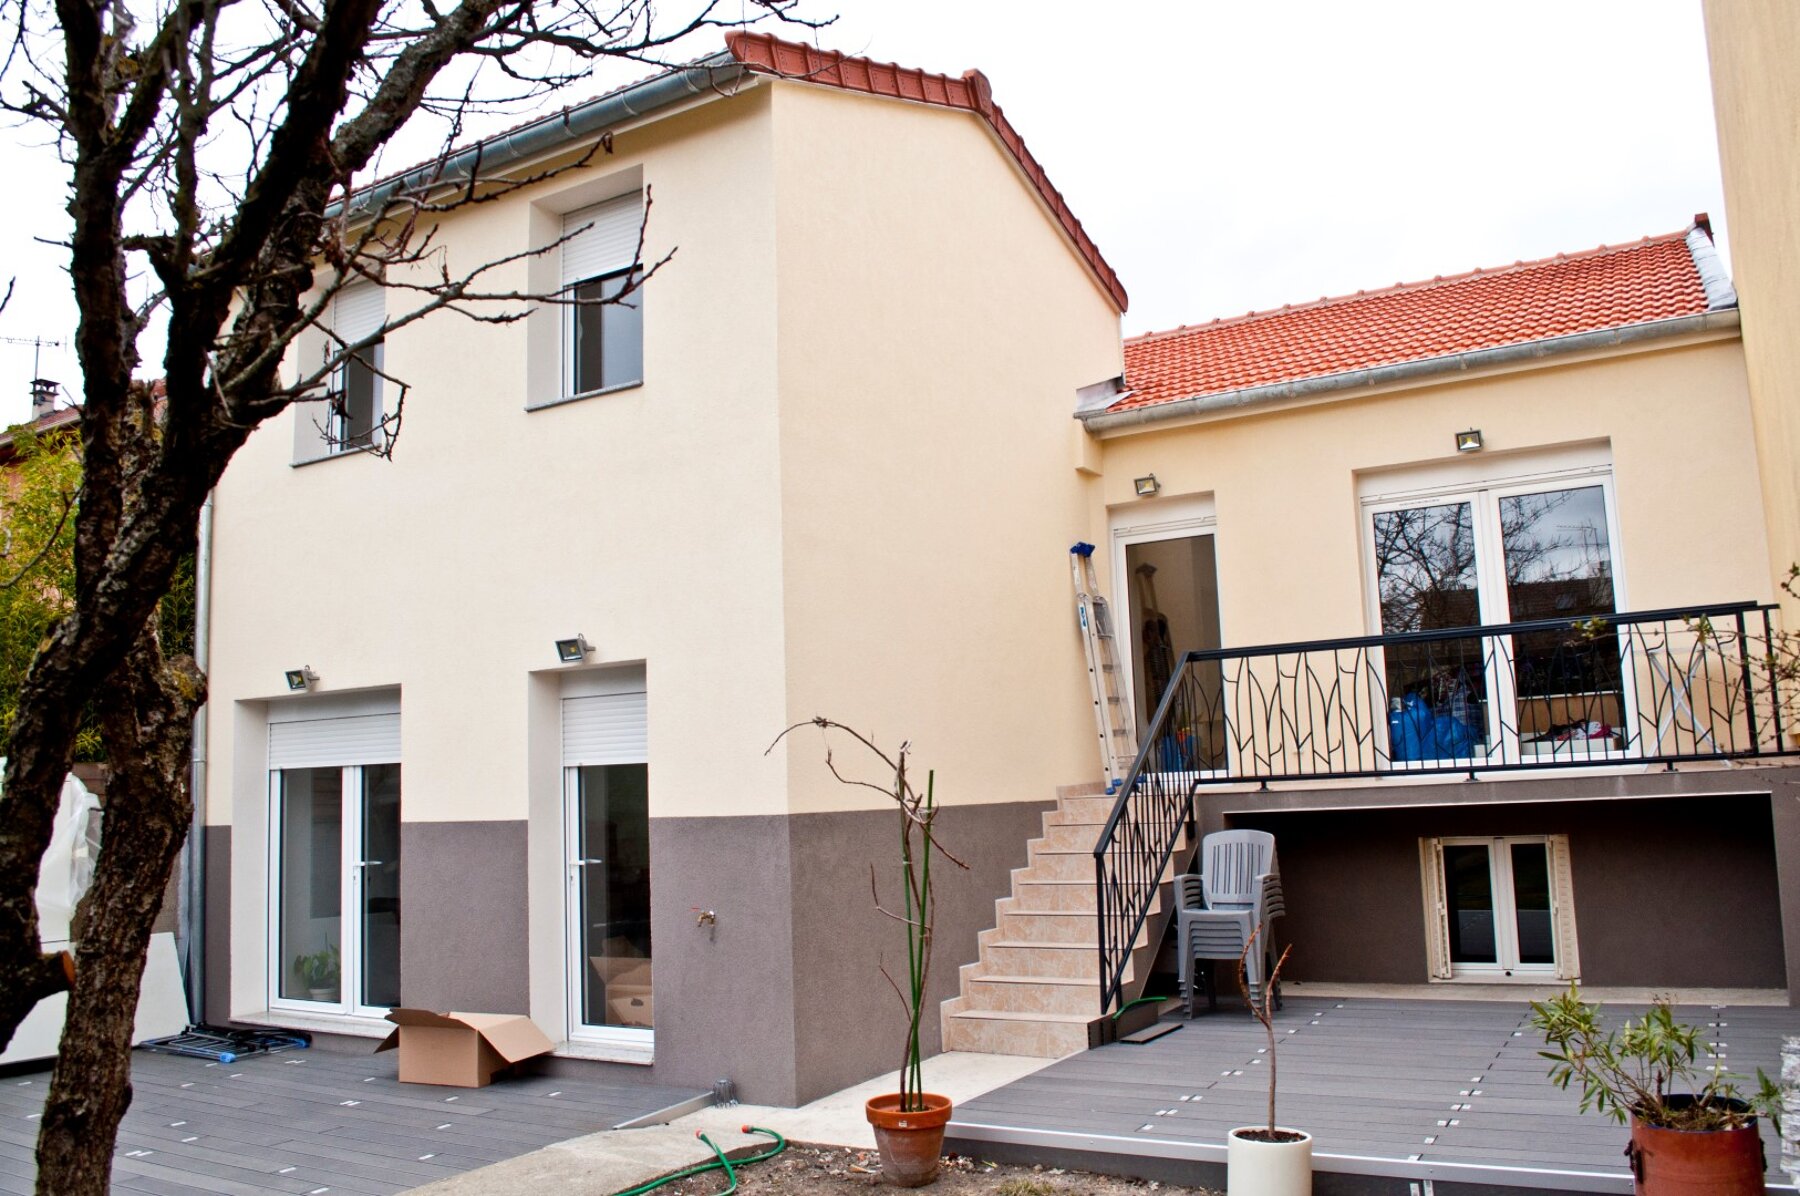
{"points": [[1754, 45], [1085, 448]]}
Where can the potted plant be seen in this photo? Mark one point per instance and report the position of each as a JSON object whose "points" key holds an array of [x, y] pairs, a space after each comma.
{"points": [[909, 1124], [1686, 1136], [319, 972], [1268, 1160]]}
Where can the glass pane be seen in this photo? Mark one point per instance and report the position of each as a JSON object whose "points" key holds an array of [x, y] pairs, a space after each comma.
{"points": [[1425, 573], [622, 329], [1469, 887], [1559, 566], [1531, 898], [311, 885], [613, 821], [609, 338], [362, 399], [381, 885], [1174, 609]]}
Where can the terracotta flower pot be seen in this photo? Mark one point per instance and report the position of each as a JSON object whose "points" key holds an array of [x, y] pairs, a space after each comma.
{"points": [[1668, 1162], [910, 1142]]}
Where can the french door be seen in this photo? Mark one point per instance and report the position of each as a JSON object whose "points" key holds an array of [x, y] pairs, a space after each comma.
{"points": [[1503, 908], [1489, 555], [335, 869]]}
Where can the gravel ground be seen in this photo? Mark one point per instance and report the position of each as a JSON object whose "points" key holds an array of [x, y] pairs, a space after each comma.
{"points": [[804, 1170]]}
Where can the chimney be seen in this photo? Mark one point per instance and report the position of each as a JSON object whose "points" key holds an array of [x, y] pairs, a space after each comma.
{"points": [[43, 398]]}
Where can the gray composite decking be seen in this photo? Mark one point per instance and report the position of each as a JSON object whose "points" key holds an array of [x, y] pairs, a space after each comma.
{"points": [[317, 1121], [1449, 1091]]}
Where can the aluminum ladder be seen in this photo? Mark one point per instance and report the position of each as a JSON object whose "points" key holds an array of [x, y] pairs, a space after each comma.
{"points": [[1112, 718]]}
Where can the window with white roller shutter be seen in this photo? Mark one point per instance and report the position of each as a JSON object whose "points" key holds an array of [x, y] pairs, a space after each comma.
{"points": [[603, 342], [348, 418]]}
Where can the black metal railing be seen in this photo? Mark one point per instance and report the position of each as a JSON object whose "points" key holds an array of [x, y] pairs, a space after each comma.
{"points": [[1698, 683]]}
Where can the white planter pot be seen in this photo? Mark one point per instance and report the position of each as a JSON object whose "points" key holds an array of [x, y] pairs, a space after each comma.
{"points": [[1255, 1168]]}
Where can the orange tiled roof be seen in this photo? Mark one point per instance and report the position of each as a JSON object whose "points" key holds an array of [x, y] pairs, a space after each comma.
{"points": [[1609, 287], [771, 55]]}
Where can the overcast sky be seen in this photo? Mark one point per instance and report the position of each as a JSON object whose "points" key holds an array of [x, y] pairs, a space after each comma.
{"points": [[1229, 157]]}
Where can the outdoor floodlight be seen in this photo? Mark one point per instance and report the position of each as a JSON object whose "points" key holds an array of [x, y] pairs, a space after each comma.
{"points": [[302, 678], [573, 651], [1147, 486], [1469, 442]]}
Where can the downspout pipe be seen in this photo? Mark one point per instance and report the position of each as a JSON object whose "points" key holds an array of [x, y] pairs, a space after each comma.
{"points": [[552, 132], [194, 851], [1235, 401]]}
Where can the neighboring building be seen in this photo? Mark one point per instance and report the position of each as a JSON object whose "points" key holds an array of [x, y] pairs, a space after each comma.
{"points": [[1753, 45], [821, 467]]}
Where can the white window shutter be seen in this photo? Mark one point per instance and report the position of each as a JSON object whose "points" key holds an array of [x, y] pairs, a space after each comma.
{"points": [[359, 310], [605, 729], [1562, 909], [1437, 909], [603, 239], [335, 742]]}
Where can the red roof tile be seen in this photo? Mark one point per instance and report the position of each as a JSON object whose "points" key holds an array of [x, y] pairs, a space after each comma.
{"points": [[771, 55], [1608, 287]]}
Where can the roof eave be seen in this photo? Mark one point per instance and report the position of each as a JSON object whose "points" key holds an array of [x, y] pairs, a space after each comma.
{"points": [[1246, 398]]}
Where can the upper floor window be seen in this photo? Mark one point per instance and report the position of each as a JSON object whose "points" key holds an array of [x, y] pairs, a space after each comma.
{"points": [[348, 417], [603, 343]]}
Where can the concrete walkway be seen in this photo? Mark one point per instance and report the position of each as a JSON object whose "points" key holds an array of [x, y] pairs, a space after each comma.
{"points": [[606, 1163]]}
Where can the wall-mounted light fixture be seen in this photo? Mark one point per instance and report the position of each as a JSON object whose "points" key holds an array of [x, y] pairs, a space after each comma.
{"points": [[574, 650], [1147, 486], [1469, 442], [302, 678]]}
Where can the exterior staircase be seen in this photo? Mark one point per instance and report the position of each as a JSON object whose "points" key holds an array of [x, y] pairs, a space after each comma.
{"points": [[1035, 990]]}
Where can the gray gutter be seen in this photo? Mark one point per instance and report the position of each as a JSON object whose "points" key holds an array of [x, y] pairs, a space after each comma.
{"points": [[1233, 401], [552, 132]]}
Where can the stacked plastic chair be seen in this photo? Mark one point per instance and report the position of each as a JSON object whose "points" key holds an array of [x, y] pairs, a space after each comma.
{"points": [[1237, 894]]}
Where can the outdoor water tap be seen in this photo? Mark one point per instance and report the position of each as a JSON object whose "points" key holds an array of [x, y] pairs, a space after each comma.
{"points": [[704, 917]]}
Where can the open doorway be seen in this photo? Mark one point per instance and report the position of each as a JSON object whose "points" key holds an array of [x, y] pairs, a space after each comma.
{"points": [[1170, 582]]}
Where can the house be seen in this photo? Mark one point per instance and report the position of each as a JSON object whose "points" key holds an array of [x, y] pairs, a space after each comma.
{"points": [[1477, 578], [489, 721]]}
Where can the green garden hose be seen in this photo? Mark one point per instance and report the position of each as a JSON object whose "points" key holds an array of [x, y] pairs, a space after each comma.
{"points": [[719, 1163], [1134, 1004]]}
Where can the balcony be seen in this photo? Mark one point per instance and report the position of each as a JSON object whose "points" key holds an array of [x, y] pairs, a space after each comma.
{"points": [[1699, 683]]}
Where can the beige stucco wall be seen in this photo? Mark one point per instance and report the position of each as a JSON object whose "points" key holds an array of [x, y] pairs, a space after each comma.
{"points": [[647, 520], [934, 327], [1754, 45], [1291, 545]]}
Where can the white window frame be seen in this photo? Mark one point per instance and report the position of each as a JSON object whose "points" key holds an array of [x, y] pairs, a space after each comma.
{"points": [[628, 1044], [350, 303], [1483, 494], [351, 880], [1148, 523], [1565, 964]]}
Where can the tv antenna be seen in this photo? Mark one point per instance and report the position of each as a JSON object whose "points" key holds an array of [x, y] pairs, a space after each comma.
{"points": [[38, 345]]}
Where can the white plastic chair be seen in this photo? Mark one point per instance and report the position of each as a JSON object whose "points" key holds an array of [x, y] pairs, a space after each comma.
{"points": [[1241, 887]]}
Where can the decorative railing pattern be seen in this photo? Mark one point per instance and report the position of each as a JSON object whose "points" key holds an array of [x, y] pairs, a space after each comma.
{"points": [[1699, 683]]}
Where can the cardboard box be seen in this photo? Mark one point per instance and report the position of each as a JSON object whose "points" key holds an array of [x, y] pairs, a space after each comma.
{"points": [[461, 1050], [628, 989]]}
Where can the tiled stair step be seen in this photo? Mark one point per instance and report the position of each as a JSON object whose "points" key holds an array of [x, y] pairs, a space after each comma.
{"points": [[1072, 895], [1093, 810], [1059, 865], [1069, 836], [1050, 926], [998, 1032], [1012, 958], [1029, 994]]}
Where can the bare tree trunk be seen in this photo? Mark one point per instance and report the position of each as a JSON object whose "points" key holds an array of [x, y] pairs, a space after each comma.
{"points": [[147, 711]]}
